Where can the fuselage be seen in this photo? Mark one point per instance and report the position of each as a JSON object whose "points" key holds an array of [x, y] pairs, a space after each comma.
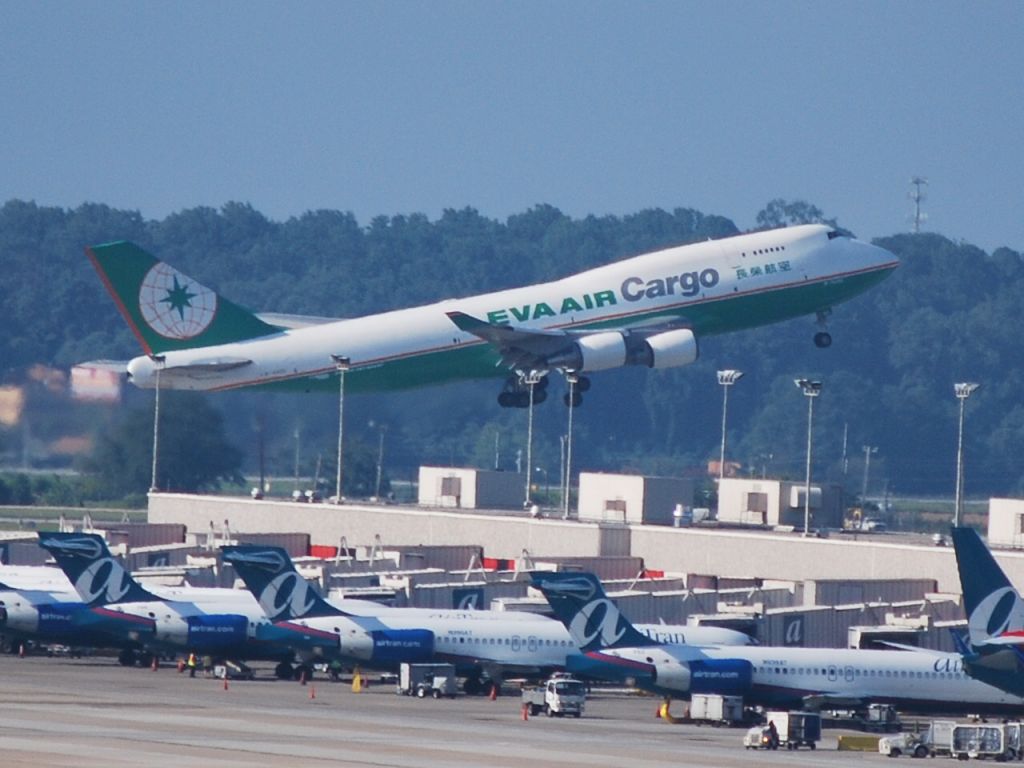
{"points": [[920, 680], [711, 287]]}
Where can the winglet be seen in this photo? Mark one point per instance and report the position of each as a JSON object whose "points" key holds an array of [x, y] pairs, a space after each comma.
{"points": [[467, 323]]}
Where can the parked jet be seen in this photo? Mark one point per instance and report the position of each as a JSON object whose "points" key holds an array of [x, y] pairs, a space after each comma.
{"points": [[224, 630], [787, 677], [994, 647], [47, 615], [482, 644], [648, 310]]}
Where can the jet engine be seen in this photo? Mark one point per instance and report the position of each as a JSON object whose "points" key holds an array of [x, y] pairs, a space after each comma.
{"points": [[670, 349], [388, 647], [594, 352], [723, 676]]}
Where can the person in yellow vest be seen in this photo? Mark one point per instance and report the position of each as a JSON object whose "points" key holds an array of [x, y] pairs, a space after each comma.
{"points": [[191, 664]]}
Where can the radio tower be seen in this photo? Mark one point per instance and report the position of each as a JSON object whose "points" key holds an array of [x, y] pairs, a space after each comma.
{"points": [[917, 195]]}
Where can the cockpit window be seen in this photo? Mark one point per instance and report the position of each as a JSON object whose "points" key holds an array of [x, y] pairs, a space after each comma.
{"points": [[834, 233]]}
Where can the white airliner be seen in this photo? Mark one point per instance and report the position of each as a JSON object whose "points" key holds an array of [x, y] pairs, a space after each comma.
{"points": [[790, 677], [649, 310], [482, 644], [223, 628]]}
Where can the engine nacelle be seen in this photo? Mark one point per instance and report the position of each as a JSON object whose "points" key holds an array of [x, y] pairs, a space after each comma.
{"points": [[594, 352], [57, 619], [19, 616], [213, 632], [394, 646], [723, 676], [670, 349]]}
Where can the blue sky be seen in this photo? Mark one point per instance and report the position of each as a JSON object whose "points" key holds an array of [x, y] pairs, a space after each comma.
{"points": [[593, 107]]}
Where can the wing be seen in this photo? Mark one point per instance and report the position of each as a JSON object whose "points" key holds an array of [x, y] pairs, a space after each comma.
{"points": [[518, 347]]}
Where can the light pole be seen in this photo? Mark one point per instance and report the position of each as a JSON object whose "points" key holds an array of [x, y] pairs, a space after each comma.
{"points": [[343, 364], [868, 450], [726, 378], [962, 390], [380, 460], [811, 390], [573, 379], [159, 360], [531, 379]]}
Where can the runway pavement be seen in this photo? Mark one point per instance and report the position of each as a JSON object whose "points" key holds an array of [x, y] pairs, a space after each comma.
{"points": [[88, 713]]}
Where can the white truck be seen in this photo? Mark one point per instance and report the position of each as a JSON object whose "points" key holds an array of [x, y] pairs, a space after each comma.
{"points": [[796, 729], [422, 680], [903, 744], [716, 709], [558, 697]]}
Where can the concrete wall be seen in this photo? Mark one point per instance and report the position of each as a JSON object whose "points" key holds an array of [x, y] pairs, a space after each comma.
{"points": [[676, 550]]}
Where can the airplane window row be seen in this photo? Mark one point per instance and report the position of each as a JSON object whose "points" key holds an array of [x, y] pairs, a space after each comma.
{"points": [[507, 641], [840, 672], [762, 251]]}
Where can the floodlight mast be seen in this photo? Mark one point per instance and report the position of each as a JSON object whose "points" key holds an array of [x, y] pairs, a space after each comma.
{"points": [[726, 378], [962, 390], [811, 390]]}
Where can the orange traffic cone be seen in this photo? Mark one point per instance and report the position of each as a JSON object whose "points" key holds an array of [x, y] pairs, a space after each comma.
{"points": [[525, 711], [181, 666], [312, 691], [156, 663], [225, 682], [494, 691]]}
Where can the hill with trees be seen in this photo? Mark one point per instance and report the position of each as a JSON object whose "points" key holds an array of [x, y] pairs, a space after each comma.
{"points": [[948, 314]]}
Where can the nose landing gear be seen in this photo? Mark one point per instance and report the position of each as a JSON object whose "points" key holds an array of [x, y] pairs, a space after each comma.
{"points": [[823, 339]]}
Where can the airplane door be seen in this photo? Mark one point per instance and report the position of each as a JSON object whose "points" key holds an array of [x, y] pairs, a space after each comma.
{"points": [[848, 674], [531, 644], [832, 674], [516, 643]]}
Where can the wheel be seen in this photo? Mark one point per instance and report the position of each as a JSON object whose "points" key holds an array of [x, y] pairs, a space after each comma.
{"points": [[549, 711], [576, 715], [437, 693], [583, 384], [920, 751], [284, 671], [421, 692], [126, 658], [823, 339], [472, 686], [812, 745]]}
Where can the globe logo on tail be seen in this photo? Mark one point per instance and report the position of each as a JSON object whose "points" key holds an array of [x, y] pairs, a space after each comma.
{"points": [[173, 305]]}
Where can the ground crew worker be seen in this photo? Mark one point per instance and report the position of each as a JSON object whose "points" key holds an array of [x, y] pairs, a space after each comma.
{"points": [[191, 663]]}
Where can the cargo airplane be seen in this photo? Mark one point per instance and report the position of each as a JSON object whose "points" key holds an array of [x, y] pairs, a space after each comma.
{"points": [[649, 310], [811, 678]]}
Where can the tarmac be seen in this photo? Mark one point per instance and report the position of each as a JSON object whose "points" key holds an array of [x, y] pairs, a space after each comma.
{"points": [[90, 712]]}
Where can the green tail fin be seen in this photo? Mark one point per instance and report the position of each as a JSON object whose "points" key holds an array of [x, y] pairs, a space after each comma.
{"points": [[166, 309]]}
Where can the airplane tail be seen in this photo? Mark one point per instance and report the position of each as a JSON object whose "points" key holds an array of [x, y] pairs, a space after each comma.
{"points": [[593, 620], [995, 611], [165, 309], [95, 574], [268, 572]]}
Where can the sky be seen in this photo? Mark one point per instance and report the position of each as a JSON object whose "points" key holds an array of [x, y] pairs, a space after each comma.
{"points": [[596, 107]]}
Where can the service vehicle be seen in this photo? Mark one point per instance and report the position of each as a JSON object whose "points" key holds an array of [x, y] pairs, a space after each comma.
{"points": [[559, 696], [716, 709], [422, 680], [796, 729], [903, 744], [981, 740], [760, 737]]}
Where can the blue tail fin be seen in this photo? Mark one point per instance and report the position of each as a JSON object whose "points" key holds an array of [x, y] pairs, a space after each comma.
{"points": [[96, 575], [995, 611], [268, 572], [593, 621]]}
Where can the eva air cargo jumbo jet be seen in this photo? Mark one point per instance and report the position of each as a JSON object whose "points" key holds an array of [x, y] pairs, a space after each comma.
{"points": [[649, 310]]}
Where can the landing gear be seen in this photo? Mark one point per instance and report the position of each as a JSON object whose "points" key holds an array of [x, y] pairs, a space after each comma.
{"points": [[284, 671], [582, 385], [517, 394], [127, 658], [472, 686], [823, 339]]}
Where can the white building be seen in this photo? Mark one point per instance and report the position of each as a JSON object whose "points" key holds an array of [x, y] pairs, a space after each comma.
{"points": [[777, 502], [616, 498], [464, 488], [1006, 522]]}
